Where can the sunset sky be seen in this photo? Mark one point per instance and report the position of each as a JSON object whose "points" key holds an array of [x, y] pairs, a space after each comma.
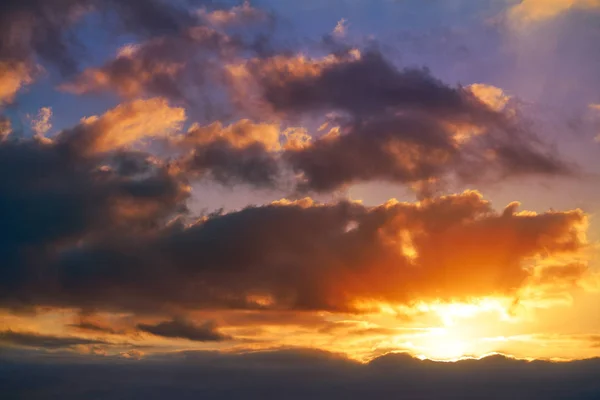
{"points": [[349, 177]]}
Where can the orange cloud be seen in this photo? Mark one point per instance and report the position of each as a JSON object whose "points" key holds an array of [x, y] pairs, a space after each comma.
{"points": [[528, 11], [126, 124], [490, 95], [13, 76], [240, 134]]}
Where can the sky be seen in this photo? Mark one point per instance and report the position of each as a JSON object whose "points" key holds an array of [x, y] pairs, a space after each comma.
{"points": [[355, 187]]}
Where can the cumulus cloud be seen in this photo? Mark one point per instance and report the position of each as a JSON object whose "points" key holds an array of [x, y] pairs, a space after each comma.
{"points": [[182, 64], [163, 66], [60, 191], [13, 76], [182, 329], [128, 75], [124, 125], [243, 152], [301, 255], [395, 125], [404, 126]]}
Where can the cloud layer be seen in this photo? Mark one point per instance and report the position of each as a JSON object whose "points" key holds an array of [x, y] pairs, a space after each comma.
{"points": [[301, 374]]}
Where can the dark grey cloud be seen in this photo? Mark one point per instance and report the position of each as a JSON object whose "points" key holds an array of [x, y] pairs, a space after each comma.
{"points": [[187, 65], [226, 164], [299, 374], [90, 326], [44, 341], [303, 256], [45, 28], [377, 85], [398, 125], [55, 196], [183, 329], [173, 66]]}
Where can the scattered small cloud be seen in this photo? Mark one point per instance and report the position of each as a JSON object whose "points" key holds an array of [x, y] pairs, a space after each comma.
{"points": [[40, 123], [341, 28]]}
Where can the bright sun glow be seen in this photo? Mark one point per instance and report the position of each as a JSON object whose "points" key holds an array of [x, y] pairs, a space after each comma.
{"points": [[443, 344], [458, 330]]}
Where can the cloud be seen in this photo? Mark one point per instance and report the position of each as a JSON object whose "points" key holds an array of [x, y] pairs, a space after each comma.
{"points": [[245, 78], [304, 373], [124, 125], [90, 326], [304, 85], [40, 31], [243, 152], [396, 125], [13, 76], [187, 65], [303, 255], [59, 192], [93, 220], [241, 134], [45, 29], [404, 126], [243, 14], [164, 66], [129, 76], [5, 128], [530, 11], [229, 165], [43, 341], [132, 354], [492, 96], [40, 124], [182, 329], [340, 28]]}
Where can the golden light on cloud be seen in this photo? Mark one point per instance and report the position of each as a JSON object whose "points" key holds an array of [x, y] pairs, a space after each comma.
{"points": [[491, 96], [13, 76], [528, 11], [130, 122], [241, 134]]}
